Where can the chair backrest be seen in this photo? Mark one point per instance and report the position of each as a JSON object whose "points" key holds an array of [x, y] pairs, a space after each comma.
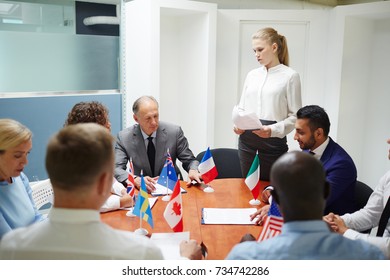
{"points": [[42, 193], [362, 193], [227, 162]]}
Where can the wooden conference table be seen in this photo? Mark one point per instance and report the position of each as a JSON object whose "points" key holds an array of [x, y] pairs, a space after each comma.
{"points": [[219, 239]]}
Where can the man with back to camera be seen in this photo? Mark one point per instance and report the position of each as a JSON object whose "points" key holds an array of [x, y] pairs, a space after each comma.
{"points": [[150, 136], [80, 164], [300, 190], [312, 129]]}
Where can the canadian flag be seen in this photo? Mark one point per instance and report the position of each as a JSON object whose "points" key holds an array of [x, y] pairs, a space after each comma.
{"points": [[173, 213]]}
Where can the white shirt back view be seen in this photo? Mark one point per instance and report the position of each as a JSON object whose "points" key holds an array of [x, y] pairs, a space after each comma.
{"points": [[75, 234]]}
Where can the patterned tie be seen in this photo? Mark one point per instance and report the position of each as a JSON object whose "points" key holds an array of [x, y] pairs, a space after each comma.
{"points": [[151, 153]]}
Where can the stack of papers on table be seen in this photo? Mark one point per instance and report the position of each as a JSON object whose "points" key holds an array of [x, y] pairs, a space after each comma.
{"points": [[169, 243], [228, 216]]}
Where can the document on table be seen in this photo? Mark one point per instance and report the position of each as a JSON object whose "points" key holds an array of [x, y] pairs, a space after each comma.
{"points": [[162, 190], [227, 216], [245, 120], [152, 201], [169, 243]]}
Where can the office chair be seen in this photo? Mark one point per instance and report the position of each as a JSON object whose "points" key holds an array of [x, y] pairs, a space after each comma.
{"points": [[42, 193], [227, 162], [362, 194]]}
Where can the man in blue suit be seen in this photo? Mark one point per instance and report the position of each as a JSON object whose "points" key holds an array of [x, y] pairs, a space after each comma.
{"points": [[312, 129]]}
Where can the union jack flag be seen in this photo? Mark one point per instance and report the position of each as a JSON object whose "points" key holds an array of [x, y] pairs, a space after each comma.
{"points": [[169, 159], [273, 224], [130, 180]]}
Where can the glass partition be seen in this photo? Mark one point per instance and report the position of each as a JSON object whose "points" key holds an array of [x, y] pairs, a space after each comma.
{"points": [[40, 51]]}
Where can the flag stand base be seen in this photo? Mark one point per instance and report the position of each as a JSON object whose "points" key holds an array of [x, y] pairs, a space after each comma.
{"points": [[208, 189], [130, 213], [254, 202], [141, 231], [166, 198]]}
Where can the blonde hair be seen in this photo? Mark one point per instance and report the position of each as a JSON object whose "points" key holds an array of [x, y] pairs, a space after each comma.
{"points": [[77, 154], [12, 134], [271, 36]]}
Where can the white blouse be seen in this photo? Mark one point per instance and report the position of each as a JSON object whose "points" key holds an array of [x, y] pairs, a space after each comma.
{"points": [[274, 95]]}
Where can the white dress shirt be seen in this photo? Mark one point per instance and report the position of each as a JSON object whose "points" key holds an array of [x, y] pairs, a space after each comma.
{"points": [[113, 202], [77, 234], [369, 216], [320, 149], [274, 95]]}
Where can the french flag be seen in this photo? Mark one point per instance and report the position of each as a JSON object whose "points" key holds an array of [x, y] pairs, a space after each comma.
{"points": [[207, 167]]}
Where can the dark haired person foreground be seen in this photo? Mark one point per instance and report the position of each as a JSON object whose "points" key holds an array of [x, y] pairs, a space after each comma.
{"points": [[96, 112], [301, 189], [80, 164]]}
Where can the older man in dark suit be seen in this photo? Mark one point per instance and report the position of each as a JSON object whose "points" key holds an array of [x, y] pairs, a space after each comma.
{"points": [[147, 142]]}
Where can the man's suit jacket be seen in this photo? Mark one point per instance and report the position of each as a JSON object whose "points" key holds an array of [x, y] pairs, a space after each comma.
{"points": [[341, 174], [130, 144]]}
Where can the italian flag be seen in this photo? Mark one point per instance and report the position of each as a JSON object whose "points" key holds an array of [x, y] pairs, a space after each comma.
{"points": [[252, 179]]}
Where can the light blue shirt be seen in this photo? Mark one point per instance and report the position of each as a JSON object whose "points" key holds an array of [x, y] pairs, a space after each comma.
{"points": [[306, 240], [17, 208]]}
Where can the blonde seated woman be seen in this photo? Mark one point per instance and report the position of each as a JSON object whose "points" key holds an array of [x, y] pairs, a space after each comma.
{"points": [[17, 208], [95, 112]]}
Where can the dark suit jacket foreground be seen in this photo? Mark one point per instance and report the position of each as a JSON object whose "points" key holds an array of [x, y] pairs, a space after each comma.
{"points": [[130, 144], [341, 174]]}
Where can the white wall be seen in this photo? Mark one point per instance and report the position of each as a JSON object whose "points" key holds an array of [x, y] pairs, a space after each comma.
{"points": [[364, 114]]}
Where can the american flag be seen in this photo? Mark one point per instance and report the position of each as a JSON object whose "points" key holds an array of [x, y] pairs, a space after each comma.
{"points": [[273, 224], [130, 180]]}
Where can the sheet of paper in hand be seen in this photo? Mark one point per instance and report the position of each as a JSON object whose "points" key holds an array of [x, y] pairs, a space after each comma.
{"points": [[245, 120]]}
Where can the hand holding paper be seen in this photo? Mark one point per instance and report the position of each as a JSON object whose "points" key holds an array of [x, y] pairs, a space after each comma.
{"points": [[245, 120]]}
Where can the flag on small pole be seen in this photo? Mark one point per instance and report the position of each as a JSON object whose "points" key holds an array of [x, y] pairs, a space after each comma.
{"points": [[130, 190], [130, 180], [273, 223], [168, 176], [207, 169], [253, 180], [142, 207], [173, 213]]}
